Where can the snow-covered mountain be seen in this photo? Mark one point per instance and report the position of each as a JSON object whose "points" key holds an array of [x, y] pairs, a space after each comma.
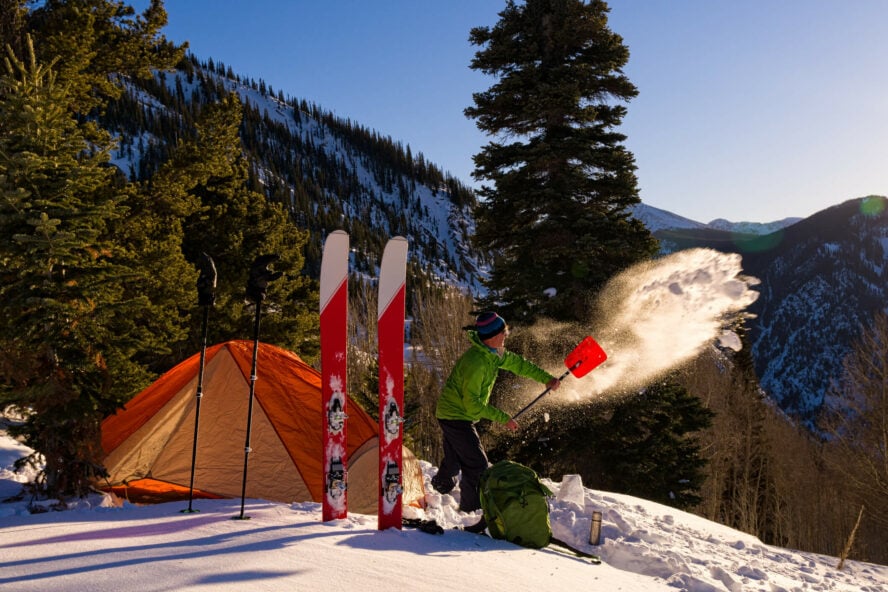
{"points": [[822, 277], [822, 280], [751, 227], [331, 172], [656, 219], [822, 283]]}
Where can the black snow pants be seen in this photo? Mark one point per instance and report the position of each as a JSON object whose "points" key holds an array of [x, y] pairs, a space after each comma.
{"points": [[462, 453]]}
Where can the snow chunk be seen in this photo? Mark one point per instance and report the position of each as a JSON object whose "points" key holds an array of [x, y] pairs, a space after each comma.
{"points": [[730, 340], [571, 491]]}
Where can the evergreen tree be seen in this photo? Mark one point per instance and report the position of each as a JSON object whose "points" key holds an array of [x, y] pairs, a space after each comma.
{"points": [[555, 211], [556, 215], [100, 42], [70, 330], [78, 323], [150, 238], [205, 183], [12, 24], [647, 445], [651, 448]]}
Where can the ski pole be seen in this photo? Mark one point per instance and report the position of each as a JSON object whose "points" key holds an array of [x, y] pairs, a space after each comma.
{"points": [[247, 448], [206, 297], [257, 284]]}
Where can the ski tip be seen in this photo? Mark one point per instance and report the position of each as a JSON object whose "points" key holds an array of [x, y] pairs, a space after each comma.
{"points": [[396, 249], [334, 266], [392, 272], [396, 245], [337, 238]]}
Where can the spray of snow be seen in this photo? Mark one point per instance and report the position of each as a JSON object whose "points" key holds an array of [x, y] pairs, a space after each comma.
{"points": [[657, 315]]}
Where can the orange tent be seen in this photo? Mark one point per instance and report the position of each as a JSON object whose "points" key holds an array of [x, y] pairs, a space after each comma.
{"points": [[149, 443]]}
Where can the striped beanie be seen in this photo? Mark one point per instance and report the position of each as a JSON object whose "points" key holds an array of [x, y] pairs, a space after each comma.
{"points": [[489, 324]]}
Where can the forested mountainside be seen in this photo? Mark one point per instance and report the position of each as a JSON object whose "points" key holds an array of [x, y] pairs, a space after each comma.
{"points": [[823, 279], [331, 172]]}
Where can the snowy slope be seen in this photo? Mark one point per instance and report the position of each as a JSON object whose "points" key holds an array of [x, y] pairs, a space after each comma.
{"points": [[349, 184], [646, 547], [821, 285], [822, 281], [656, 219]]}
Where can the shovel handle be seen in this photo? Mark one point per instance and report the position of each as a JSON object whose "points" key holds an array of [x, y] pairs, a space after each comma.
{"points": [[545, 392]]}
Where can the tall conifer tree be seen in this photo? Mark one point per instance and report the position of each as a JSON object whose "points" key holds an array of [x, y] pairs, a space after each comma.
{"points": [[556, 214], [98, 43], [69, 328], [78, 321], [555, 211], [206, 181]]}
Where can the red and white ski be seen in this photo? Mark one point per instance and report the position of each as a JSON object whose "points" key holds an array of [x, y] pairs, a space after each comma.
{"points": [[334, 357], [390, 330]]}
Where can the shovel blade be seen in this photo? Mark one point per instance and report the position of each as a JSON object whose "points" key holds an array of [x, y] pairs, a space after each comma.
{"points": [[585, 357]]}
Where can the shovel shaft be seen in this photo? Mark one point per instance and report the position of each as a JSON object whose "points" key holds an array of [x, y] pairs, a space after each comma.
{"points": [[544, 393], [583, 359]]}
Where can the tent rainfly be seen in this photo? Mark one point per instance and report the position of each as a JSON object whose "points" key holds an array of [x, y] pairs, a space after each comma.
{"points": [[149, 443]]}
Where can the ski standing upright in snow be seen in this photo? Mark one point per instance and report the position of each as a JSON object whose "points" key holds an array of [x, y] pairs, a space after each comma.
{"points": [[390, 333], [334, 358]]}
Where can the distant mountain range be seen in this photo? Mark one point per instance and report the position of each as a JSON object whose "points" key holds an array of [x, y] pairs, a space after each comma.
{"points": [[656, 219], [823, 277]]}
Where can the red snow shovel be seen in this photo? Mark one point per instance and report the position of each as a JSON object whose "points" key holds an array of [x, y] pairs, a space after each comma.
{"points": [[581, 361]]}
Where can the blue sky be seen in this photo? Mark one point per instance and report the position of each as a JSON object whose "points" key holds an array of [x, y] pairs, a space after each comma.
{"points": [[750, 111]]}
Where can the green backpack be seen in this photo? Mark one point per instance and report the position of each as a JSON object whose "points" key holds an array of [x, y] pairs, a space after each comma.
{"points": [[515, 506]]}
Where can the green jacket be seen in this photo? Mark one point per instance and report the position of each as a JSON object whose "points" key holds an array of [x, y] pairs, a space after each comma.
{"points": [[466, 391]]}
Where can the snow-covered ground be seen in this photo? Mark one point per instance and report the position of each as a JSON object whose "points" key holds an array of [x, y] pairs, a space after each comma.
{"points": [[101, 545]]}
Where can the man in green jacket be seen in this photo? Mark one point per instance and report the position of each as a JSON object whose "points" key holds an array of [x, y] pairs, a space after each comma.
{"points": [[465, 399]]}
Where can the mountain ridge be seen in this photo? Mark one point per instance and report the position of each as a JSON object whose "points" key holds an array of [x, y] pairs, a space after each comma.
{"points": [[822, 281], [333, 173], [658, 219], [330, 172]]}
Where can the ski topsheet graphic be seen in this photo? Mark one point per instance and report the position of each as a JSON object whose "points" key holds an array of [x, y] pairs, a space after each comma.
{"points": [[334, 349], [390, 329]]}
